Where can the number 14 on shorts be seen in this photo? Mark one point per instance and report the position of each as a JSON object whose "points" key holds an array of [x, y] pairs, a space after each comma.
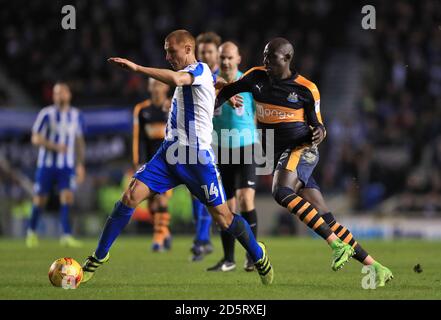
{"points": [[213, 190]]}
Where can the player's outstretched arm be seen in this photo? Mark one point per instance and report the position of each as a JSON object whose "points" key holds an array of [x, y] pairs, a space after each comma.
{"points": [[231, 90], [235, 101], [169, 77]]}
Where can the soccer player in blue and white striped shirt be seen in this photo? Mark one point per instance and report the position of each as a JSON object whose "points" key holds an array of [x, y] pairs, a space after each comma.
{"points": [[58, 132], [188, 130]]}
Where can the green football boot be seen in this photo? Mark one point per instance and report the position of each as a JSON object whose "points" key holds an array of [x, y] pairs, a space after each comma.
{"points": [[341, 254], [382, 275], [264, 267], [91, 264]]}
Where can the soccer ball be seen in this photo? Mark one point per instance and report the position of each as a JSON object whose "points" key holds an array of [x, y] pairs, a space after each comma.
{"points": [[66, 273]]}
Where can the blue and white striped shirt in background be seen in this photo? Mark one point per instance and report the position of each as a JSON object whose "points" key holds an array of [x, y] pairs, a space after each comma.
{"points": [[59, 127]]}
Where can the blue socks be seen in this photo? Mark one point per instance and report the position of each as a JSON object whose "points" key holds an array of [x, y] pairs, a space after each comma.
{"points": [[241, 230], [35, 214], [196, 205], [119, 218], [64, 218], [203, 222]]}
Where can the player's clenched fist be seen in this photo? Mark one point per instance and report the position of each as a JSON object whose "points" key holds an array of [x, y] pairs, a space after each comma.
{"points": [[124, 63]]}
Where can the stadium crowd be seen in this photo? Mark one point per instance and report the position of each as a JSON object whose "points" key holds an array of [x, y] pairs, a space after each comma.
{"points": [[393, 143], [42, 53]]}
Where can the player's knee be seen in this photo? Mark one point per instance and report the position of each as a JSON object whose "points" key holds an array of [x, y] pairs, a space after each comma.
{"points": [[162, 201], [67, 197], [280, 193], [129, 199], [39, 201], [223, 225], [222, 219]]}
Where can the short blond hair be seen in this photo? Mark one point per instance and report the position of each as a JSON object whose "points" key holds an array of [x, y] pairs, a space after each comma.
{"points": [[182, 36]]}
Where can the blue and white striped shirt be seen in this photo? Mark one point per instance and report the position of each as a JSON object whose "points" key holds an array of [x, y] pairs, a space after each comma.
{"points": [[59, 127], [192, 108]]}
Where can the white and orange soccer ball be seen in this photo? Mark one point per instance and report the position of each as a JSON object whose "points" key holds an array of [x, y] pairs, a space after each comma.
{"points": [[66, 273]]}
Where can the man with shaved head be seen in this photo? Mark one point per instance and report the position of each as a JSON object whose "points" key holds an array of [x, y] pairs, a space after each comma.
{"points": [[236, 131], [184, 157], [289, 104]]}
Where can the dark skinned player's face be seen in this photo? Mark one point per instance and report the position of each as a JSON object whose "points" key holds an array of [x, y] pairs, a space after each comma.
{"points": [[275, 61]]}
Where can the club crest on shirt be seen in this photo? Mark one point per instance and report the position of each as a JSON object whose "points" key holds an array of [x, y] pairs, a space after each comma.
{"points": [[292, 97]]}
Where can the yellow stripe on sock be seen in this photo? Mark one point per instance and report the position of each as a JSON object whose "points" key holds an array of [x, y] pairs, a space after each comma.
{"points": [[335, 226], [309, 216], [293, 203], [303, 208], [341, 232], [318, 223], [348, 238]]}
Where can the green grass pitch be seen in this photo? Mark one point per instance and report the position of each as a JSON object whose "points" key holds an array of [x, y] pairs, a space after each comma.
{"points": [[302, 271]]}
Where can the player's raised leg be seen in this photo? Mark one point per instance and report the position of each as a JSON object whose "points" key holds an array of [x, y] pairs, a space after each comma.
{"points": [[136, 192], [286, 186], [312, 194]]}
